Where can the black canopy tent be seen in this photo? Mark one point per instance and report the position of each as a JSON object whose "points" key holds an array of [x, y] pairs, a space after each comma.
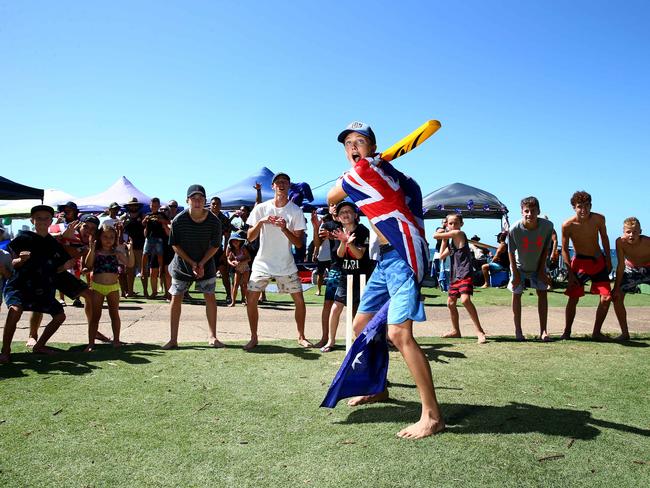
{"points": [[10, 190], [468, 201]]}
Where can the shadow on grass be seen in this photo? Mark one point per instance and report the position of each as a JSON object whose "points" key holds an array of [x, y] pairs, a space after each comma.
{"points": [[434, 352], [515, 418], [76, 362], [297, 351]]}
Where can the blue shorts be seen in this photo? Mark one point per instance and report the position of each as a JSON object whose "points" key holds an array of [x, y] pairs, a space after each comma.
{"points": [[495, 267], [33, 302], [333, 278], [393, 279], [154, 245]]}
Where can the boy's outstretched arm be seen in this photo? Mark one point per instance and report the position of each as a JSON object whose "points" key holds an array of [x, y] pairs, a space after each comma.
{"points": [[336, 193]]}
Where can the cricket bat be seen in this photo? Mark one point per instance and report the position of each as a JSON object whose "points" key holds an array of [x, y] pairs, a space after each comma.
{"points": [[411, 141]]}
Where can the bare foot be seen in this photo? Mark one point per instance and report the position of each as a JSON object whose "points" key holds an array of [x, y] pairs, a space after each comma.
{"points": [[48, 351], [623, 337], [482, 339], [422, 428], [232, 304], [251, 344], [327, 348], [520, 337], [366, 399], [317, 293], [31, 342], [89, 348], [216, 343], [171, 345], [565, 336], [455, 334], [320, 343], [544, 337], [5, 358], [598, 337], [304, 343], [118, 344], [485, 286]]}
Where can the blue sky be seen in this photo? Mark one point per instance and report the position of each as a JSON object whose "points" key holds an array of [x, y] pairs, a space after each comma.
{"points": [[540, 98]]}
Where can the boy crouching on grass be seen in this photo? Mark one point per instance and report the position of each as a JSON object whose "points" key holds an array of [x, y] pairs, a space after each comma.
{"points": [[37, 258], [589, 263], [528, 243], [633, 269], [461, 275]]}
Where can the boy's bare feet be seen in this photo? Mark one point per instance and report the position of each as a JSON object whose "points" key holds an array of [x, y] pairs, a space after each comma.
{"points": [[5, 358], [520, 337], [89, 348], [251, 344], [101, 337], [31, 342], [327, 348], [422, 428], [565, 336], [598, 337], [482, 339], [623, 337], [320, 343], [544, 337], [485, 286], [216, 343], [453, 334], [366, 399], [170, 345], [303, 342], [231, 304]]}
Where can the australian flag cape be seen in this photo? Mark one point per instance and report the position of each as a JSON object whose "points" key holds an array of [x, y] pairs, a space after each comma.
{"points": [[392, 201]]}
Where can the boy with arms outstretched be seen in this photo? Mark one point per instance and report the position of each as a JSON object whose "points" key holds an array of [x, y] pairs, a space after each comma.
{"points": [[461, 275], [633, 269], [588, 263], [528, 244], [383, 194]]}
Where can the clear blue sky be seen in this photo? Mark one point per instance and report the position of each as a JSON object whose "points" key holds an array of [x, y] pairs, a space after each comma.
{"points": [[535, 97]]}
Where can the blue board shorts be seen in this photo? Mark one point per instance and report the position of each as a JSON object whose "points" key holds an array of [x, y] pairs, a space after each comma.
{"points": [[393, 280]]}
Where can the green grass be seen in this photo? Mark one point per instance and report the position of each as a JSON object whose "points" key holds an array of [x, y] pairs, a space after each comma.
{"points": [[571, 413], [435, 297]]}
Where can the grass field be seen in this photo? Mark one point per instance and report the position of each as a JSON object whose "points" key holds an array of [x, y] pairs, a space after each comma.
{"points": [[518, 415]]}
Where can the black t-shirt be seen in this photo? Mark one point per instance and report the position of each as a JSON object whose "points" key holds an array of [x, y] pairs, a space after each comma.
{"points": [[350, 265], [154, 225], [134, 228], [38, 272]]}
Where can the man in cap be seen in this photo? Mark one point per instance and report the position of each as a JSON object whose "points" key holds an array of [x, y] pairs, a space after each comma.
{"points": [[279, 223], [195, 236], [133, 228]]}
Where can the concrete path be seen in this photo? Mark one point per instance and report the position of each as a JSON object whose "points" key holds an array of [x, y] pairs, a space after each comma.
{"points": [[149, 322]]}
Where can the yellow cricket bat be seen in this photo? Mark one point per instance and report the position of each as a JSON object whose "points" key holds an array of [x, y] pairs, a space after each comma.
{"points": [[411, 141]]}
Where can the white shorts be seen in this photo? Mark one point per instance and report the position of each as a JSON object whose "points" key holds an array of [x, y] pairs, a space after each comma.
{"points": [[286, 284]]}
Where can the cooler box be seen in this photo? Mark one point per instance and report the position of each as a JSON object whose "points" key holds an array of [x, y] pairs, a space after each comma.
{"points": [[499, 278]]}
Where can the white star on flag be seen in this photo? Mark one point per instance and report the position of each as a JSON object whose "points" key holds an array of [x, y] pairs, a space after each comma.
{"points": [[357, 359]]}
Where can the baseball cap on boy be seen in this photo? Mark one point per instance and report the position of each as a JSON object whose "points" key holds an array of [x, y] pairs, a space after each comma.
{"points": [[38, 208], [90, 219], [360, 127], [194, 189], [280, 175]]}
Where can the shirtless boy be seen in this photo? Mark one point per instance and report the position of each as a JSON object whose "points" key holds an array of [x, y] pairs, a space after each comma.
{"points": [[461, 275], [589, 261], [633, 269], [393, 278]]}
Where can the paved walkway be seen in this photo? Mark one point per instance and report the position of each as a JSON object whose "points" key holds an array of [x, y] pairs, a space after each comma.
{"points": [[149, 322]]}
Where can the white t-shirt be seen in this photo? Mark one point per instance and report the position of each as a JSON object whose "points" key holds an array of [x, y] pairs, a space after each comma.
{"points": [[274, 256]]}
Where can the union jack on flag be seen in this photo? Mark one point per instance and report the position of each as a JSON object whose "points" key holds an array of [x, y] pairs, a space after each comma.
{"points": [[392, 201]]}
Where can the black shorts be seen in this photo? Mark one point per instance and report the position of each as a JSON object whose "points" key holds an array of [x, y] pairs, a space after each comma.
{"points": [[322, 266], [69, 285]]}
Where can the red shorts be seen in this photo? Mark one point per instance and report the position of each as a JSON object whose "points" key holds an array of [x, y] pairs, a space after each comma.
{"points": [[589, 268], [461, 287]]}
